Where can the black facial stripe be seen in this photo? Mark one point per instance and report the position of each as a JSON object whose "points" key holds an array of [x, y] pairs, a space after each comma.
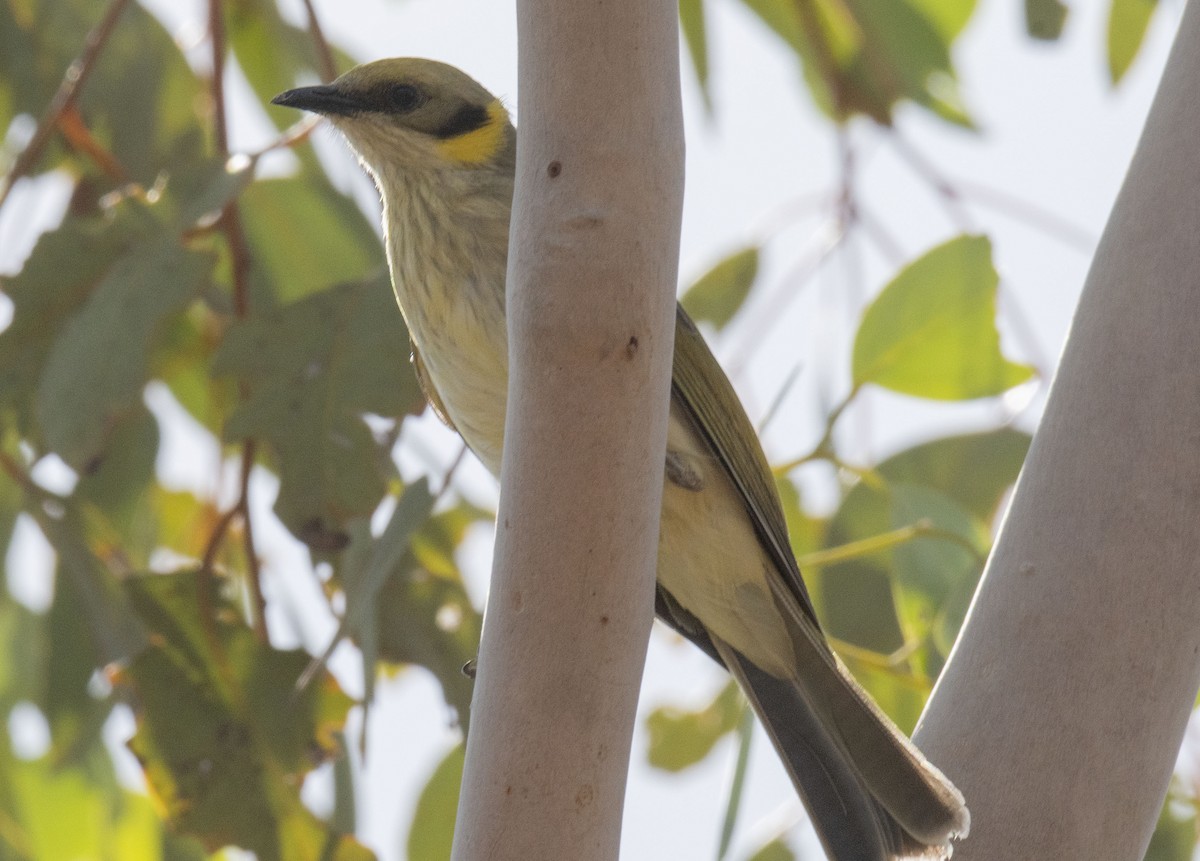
{"points": [[468, 118]]}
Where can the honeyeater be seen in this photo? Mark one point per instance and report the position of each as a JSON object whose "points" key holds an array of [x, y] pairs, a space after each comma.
{"points": [[442, 150]]}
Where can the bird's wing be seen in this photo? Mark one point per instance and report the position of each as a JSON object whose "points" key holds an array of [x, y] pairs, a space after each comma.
{"points": [[709, 402]]}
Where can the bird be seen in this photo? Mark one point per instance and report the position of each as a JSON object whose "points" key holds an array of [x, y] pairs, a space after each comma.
{"points": [[441, 149]]}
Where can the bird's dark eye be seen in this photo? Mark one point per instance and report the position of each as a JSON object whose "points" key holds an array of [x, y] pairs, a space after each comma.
{"points": [[405, 98]]}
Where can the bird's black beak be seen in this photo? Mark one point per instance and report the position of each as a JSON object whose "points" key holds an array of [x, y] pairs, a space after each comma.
{"points": [[324, 99]]}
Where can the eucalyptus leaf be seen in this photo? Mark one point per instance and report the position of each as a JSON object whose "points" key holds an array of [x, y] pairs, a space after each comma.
{"points": [[1128, 21], [719, 293], [432, 831], [932, 333]]}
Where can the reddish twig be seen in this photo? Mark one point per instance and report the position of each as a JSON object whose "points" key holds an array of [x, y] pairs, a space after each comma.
{"points": [[324, 52], [68, 91], [231, 227], [81, 139]]}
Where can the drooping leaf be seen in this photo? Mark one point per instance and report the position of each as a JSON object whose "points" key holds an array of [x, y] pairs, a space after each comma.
{"points": [[273, 54], [76, 718], [425, 616], [118, 477], [975, 470], [312, 369], [65, 268], [1128, 21], [143, 100], [305, 236], [679, 739], [223, 735], [934, 574], [99, 362], [932, 333], [23, 648], [719, 293], [855, 597], [432, 830], [362, 584], [865, 56], [117, 635]]}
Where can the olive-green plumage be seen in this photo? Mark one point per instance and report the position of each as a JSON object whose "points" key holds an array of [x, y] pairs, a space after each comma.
{"points": [[442, 152]]}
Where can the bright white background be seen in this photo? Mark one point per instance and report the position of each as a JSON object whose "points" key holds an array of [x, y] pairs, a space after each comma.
{"points": [[1053, 135]]}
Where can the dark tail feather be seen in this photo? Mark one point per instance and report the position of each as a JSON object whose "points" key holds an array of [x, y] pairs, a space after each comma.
{"points": [[850, 820]]}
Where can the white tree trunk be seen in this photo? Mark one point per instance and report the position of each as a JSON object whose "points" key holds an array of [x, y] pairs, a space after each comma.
{"points": [[1062, 708], [592, 275]]}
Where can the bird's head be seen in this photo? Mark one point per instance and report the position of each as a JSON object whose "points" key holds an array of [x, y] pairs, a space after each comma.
{"points": [[412, 114]]}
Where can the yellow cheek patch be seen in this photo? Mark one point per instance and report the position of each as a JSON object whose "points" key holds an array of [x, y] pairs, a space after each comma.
{"points": [[480, 145]]}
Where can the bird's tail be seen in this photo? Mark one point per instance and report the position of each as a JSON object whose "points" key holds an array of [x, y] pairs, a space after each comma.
{"points": [[871, 794]]}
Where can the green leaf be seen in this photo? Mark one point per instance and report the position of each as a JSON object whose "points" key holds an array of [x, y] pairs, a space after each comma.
{"points": [[362, 585], [679, 738], [424, 614], [719, 293], [776, 850], [99, 363], [312, 369], [76, 718], [223, 735], [183, 361], [23, 647], [975, 470], [695, 35], [274, 54], [305, 236], [119, 477], [432, 830], [969, 474], [116, 632], [865, 56], [144, 100], [931, 332], [1128, 21], [935, 575], [64, 269], [42, 796], [949, 17], [1044, 19]]}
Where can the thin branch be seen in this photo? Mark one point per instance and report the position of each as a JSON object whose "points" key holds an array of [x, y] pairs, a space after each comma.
{"points": [[328, 68], [231, 226], [254, 572], [823, 450], [769, 310], [449, 475], [291, 136], [946, 190], [68, 91], [1029, 213], [19, 474], [216, 36], [888, 245]]}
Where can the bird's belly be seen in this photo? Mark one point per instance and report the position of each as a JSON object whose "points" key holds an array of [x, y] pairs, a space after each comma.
{"points": [[711, 560], [467, 360]]}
